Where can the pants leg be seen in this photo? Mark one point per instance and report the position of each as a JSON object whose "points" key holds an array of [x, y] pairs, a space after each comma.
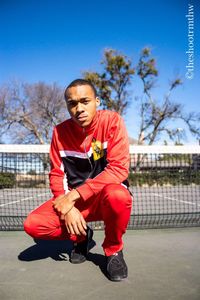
{"points": [[115, 204], [112, 205], [44, 223]]}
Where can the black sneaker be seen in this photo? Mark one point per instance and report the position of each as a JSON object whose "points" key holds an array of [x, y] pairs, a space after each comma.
{"points": [[116, 267], [80, 250]]}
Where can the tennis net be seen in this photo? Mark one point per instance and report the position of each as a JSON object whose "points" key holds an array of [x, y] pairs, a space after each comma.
{"points": [[164, 182]]}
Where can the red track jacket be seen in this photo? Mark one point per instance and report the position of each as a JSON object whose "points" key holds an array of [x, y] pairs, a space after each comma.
{"points": [[89, 158]]}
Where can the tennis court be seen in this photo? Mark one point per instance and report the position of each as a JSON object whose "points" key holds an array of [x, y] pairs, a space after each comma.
{"points": [[148, 202], [165, 183], [163, 264]]}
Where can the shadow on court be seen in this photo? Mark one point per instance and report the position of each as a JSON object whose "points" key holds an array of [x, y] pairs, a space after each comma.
{"points": [[59, 251], [163, 264], [43, 249]]}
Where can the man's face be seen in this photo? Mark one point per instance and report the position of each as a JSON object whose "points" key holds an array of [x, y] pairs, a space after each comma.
{"points": [[82, 104]]}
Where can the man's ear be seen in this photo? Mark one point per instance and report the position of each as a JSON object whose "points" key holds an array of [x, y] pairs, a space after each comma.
{"points": [[98, 102]]}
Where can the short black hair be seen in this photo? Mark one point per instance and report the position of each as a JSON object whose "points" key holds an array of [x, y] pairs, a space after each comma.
{"points": [[78, 82]]}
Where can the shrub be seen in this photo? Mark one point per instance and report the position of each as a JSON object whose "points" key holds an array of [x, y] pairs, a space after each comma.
{"points": [[162, 177], [7, 180]]}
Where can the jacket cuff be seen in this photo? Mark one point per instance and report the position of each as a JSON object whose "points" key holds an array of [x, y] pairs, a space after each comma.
{"points": [[58, 193], [85, 191]]}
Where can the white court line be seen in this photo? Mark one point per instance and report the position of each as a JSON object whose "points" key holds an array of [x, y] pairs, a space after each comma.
{"points": [[11, 193], [2, 205], [173, 199]]}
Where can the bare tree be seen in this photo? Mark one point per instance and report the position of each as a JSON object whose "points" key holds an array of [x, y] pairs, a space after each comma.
{"points": [[30, 111], [155, 116]]}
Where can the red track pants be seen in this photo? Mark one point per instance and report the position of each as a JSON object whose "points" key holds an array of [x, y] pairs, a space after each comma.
{"points": [[112, 205]]}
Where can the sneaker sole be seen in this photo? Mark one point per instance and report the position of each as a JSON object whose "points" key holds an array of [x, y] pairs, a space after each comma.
{"points": [[117, 279], [76, 262]]}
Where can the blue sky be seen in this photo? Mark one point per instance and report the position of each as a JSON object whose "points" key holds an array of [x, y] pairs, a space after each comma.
{"points": [[54, 41]]}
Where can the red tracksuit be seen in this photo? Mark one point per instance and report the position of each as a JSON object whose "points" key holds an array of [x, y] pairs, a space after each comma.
{"points": [[95, 161]]}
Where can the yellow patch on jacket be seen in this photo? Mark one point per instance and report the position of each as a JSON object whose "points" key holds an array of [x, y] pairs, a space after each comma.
{"points": [[97, 149]]}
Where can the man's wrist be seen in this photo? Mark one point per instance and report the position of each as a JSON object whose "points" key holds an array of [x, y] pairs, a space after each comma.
{"points": [[75, 195]]}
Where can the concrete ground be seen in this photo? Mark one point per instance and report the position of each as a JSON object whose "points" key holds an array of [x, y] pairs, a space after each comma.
{"points": [[163, 264]]}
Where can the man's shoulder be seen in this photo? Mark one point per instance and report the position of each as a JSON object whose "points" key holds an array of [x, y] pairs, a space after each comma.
{"points": [[108, 114], [63, 125]]}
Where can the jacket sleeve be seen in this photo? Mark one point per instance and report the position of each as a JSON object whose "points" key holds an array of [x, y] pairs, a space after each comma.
{"points": [[57, 177], [117, 168]]}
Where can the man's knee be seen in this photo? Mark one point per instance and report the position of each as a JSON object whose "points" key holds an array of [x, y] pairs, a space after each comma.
{"points": [[31, 224], [116, 196]]}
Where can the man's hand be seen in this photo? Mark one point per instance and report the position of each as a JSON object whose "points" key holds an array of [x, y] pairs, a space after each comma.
{"points": [[75, 222], [64, 203]]}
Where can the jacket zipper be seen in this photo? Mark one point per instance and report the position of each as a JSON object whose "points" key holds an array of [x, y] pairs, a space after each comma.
{"points": [[86, 136]]}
